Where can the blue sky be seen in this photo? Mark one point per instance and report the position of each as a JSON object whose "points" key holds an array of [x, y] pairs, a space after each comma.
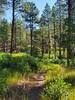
{"points": [[39, 3]]}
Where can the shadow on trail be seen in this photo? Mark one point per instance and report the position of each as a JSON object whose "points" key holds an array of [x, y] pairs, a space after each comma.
{"points": [[34, 93], [26, 91], [18, 93]]}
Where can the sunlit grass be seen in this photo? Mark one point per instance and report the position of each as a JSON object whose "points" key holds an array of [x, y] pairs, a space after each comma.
{"points": [[13, 79], [55, 71], [72, 94], [19, 54], [69, 73], [18, 61]]}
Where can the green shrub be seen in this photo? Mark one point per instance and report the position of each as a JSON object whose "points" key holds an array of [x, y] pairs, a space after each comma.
{"points": [[5, 59], [46, 60], [21, 62], [33, 63], [69, 76], [4, 73], [3, 86], [58, 61], [55, 90], [36, 51]]}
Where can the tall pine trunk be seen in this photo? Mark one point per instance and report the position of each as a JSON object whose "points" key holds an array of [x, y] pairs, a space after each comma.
{"points": [[60, 32], [14, 37], [54, 42], [42, 43], [31, 32], [4, 46], [49, 46], [42, 47], [69, 33], [12, 28]]}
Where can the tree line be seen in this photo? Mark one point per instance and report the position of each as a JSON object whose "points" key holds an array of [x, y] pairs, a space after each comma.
{"points": [[48, 34]]}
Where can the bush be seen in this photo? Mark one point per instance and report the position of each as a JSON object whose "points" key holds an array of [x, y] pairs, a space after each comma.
{"points": [[4, 73], [5, 59], [55, 90], [13, 66], [36, 51], [69, 76], [47, 60], [21, 62], [3, 86], [58, 61], [33, 63]]}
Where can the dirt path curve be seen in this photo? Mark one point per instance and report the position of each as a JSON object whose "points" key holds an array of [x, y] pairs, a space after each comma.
{"points": [[35, 91], [33, 86]]}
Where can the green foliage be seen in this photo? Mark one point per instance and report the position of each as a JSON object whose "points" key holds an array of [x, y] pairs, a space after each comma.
{"points": [[25, 63], [2, 5], [72, 94], [52, 60], [13, 78], [5, 59], [3, 76], [3, 86], [58, 61], [69, 76], [55, 90], [36, 51], [30, 13], [4, 30], [13, 67], [53, 71], [21, 62], [46, 14], [33, 63]]}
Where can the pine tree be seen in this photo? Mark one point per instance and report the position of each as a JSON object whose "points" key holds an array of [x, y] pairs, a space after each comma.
{"points": [[15, 4], [2, 5], [54, 28], [30, 13], [47, 18]]}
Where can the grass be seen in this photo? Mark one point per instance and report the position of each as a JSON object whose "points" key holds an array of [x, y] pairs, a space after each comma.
{"points": [[14, 66], [72, 94], [13, 79], [56, 71], [53, 70]]}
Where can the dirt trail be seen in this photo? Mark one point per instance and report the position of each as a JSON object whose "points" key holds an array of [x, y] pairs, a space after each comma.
{"points": [[32, 88]]}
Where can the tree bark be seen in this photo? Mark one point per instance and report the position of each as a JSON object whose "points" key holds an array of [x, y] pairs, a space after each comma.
{"points": [[31, 35], [69, 33], [49, 46], [54, 42], [12, 28], [14, 37], [59, 31]]}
